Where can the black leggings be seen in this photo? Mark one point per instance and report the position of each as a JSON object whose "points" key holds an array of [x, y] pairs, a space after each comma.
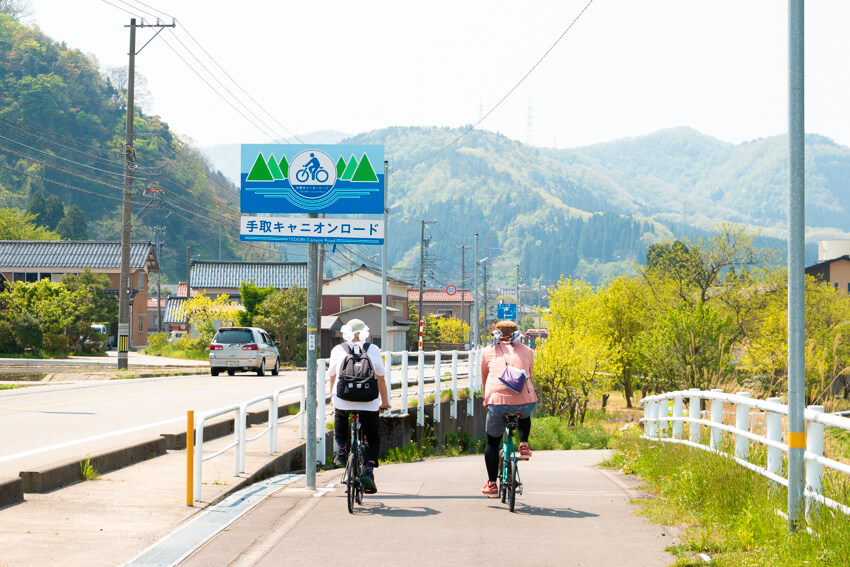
{"points": [[369, 425], [491, 449]]}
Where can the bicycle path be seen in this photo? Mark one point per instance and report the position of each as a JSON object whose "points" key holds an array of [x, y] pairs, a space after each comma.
{"points": [[571, 513]]}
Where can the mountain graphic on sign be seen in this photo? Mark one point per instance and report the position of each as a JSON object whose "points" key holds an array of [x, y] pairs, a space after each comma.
{"points": [[340, 167], [274, 168], [260, 170], [284, 167], [364, 171], [349, 169]]}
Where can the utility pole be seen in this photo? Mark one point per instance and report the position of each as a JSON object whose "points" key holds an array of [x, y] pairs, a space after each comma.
{"points": [[127, 200], [518, 299], [422, 244], [486, 309], [475, 334], [462, 278], [158, 247]]}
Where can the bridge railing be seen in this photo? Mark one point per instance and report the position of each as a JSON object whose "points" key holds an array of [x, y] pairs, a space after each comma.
{"points": [[240, 426], [664, 419], [432, 368], [450, 367]]}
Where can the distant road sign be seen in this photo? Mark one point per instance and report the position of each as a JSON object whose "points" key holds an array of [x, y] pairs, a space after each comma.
{"points": [[507, 311], [451, 290]]}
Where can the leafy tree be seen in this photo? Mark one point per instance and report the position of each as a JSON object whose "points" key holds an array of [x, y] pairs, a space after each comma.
{"points": [[579, 359], [7, 337], [625, 318], [51, 304], [202, 311], [413, 330], [28, 332], [17, 225], [688, 344], [73, 225], [98, 307], [284, 315], [453, 330], [252, 296]]}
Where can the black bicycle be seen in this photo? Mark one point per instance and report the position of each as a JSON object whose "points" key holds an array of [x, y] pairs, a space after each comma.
{"points": [[354, 465], [509, 482]]}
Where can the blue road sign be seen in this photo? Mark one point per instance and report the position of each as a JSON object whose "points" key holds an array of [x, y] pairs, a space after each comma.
{"points": [[296, 178], [507, 311]]}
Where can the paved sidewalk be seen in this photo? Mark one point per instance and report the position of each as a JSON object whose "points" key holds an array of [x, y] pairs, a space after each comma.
{"points": [[431, 513], [111, 519]]}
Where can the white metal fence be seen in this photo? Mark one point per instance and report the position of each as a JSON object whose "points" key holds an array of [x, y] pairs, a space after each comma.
{"points": [[664, 418], [429, 366], [240, 438]]}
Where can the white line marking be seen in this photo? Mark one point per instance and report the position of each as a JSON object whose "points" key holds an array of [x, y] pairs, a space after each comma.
{"points": [[88, 439]]}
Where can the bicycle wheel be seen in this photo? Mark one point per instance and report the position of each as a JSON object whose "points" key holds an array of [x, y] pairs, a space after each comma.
{"points": [[351, 481], [359, 484], [302, 175], [512, 485], [321, 176], [502, 483]]}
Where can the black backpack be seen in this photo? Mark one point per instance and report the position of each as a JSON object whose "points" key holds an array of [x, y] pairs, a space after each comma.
{"points": [[356, 381]]}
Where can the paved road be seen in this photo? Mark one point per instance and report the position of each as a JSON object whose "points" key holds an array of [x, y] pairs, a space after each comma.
{"points": [[570, 513], [45, 424]]}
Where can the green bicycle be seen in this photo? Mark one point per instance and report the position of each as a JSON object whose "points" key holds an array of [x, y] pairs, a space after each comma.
{"points": [[509, 482]]}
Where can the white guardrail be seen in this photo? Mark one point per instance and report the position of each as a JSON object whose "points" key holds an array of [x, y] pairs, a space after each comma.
{"points": [[660, 425], [398, 375]]}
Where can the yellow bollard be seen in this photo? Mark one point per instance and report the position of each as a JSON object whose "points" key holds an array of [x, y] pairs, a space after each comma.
{"points": [[190, 457]]}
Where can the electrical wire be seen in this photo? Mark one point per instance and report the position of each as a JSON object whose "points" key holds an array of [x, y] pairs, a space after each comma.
{"points": [[508, 94]]}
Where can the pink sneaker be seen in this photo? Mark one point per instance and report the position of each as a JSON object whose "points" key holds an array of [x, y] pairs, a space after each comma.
{"points": [[524, 453], [490, 489]]}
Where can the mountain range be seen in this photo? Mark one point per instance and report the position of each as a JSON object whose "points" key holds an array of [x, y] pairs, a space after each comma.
{"points": [[540, 213]]}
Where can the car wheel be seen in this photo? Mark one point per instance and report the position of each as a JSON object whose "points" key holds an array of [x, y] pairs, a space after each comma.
{"points": [[276, 369], [214, 371], [261, 370], [231, 372]]}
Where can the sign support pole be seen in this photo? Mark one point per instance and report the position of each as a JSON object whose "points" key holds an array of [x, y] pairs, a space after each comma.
{"points": [[796, 265], [384, 342], [312, 397]]}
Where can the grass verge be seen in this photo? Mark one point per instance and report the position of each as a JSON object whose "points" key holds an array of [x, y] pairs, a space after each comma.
{"points": [[729, 512]]}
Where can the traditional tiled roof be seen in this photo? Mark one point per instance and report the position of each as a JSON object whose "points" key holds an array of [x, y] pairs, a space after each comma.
{"points": [[169, 315], [74, 254], [279, 275], [439, 296], [181, 290]]}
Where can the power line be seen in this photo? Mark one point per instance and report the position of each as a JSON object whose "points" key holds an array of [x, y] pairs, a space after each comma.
{"points": [[509, 93]]}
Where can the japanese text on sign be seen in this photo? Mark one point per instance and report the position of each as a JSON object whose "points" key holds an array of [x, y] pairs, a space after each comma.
{"points": [[286, 229]]}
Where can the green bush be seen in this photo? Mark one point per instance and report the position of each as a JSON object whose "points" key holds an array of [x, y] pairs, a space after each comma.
{"points": [[28, 332], [554, 433], [156, 342], [7, 337], [55, 344]]}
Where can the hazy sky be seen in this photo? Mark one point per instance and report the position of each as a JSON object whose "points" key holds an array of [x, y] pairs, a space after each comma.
{"points": [[626, 68]]}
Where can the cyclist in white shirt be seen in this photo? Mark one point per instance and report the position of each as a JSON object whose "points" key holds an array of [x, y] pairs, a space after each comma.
{"points": [[355, 334]]}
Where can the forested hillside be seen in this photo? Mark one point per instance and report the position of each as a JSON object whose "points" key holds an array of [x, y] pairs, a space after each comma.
{"points": [[62, 128]]}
